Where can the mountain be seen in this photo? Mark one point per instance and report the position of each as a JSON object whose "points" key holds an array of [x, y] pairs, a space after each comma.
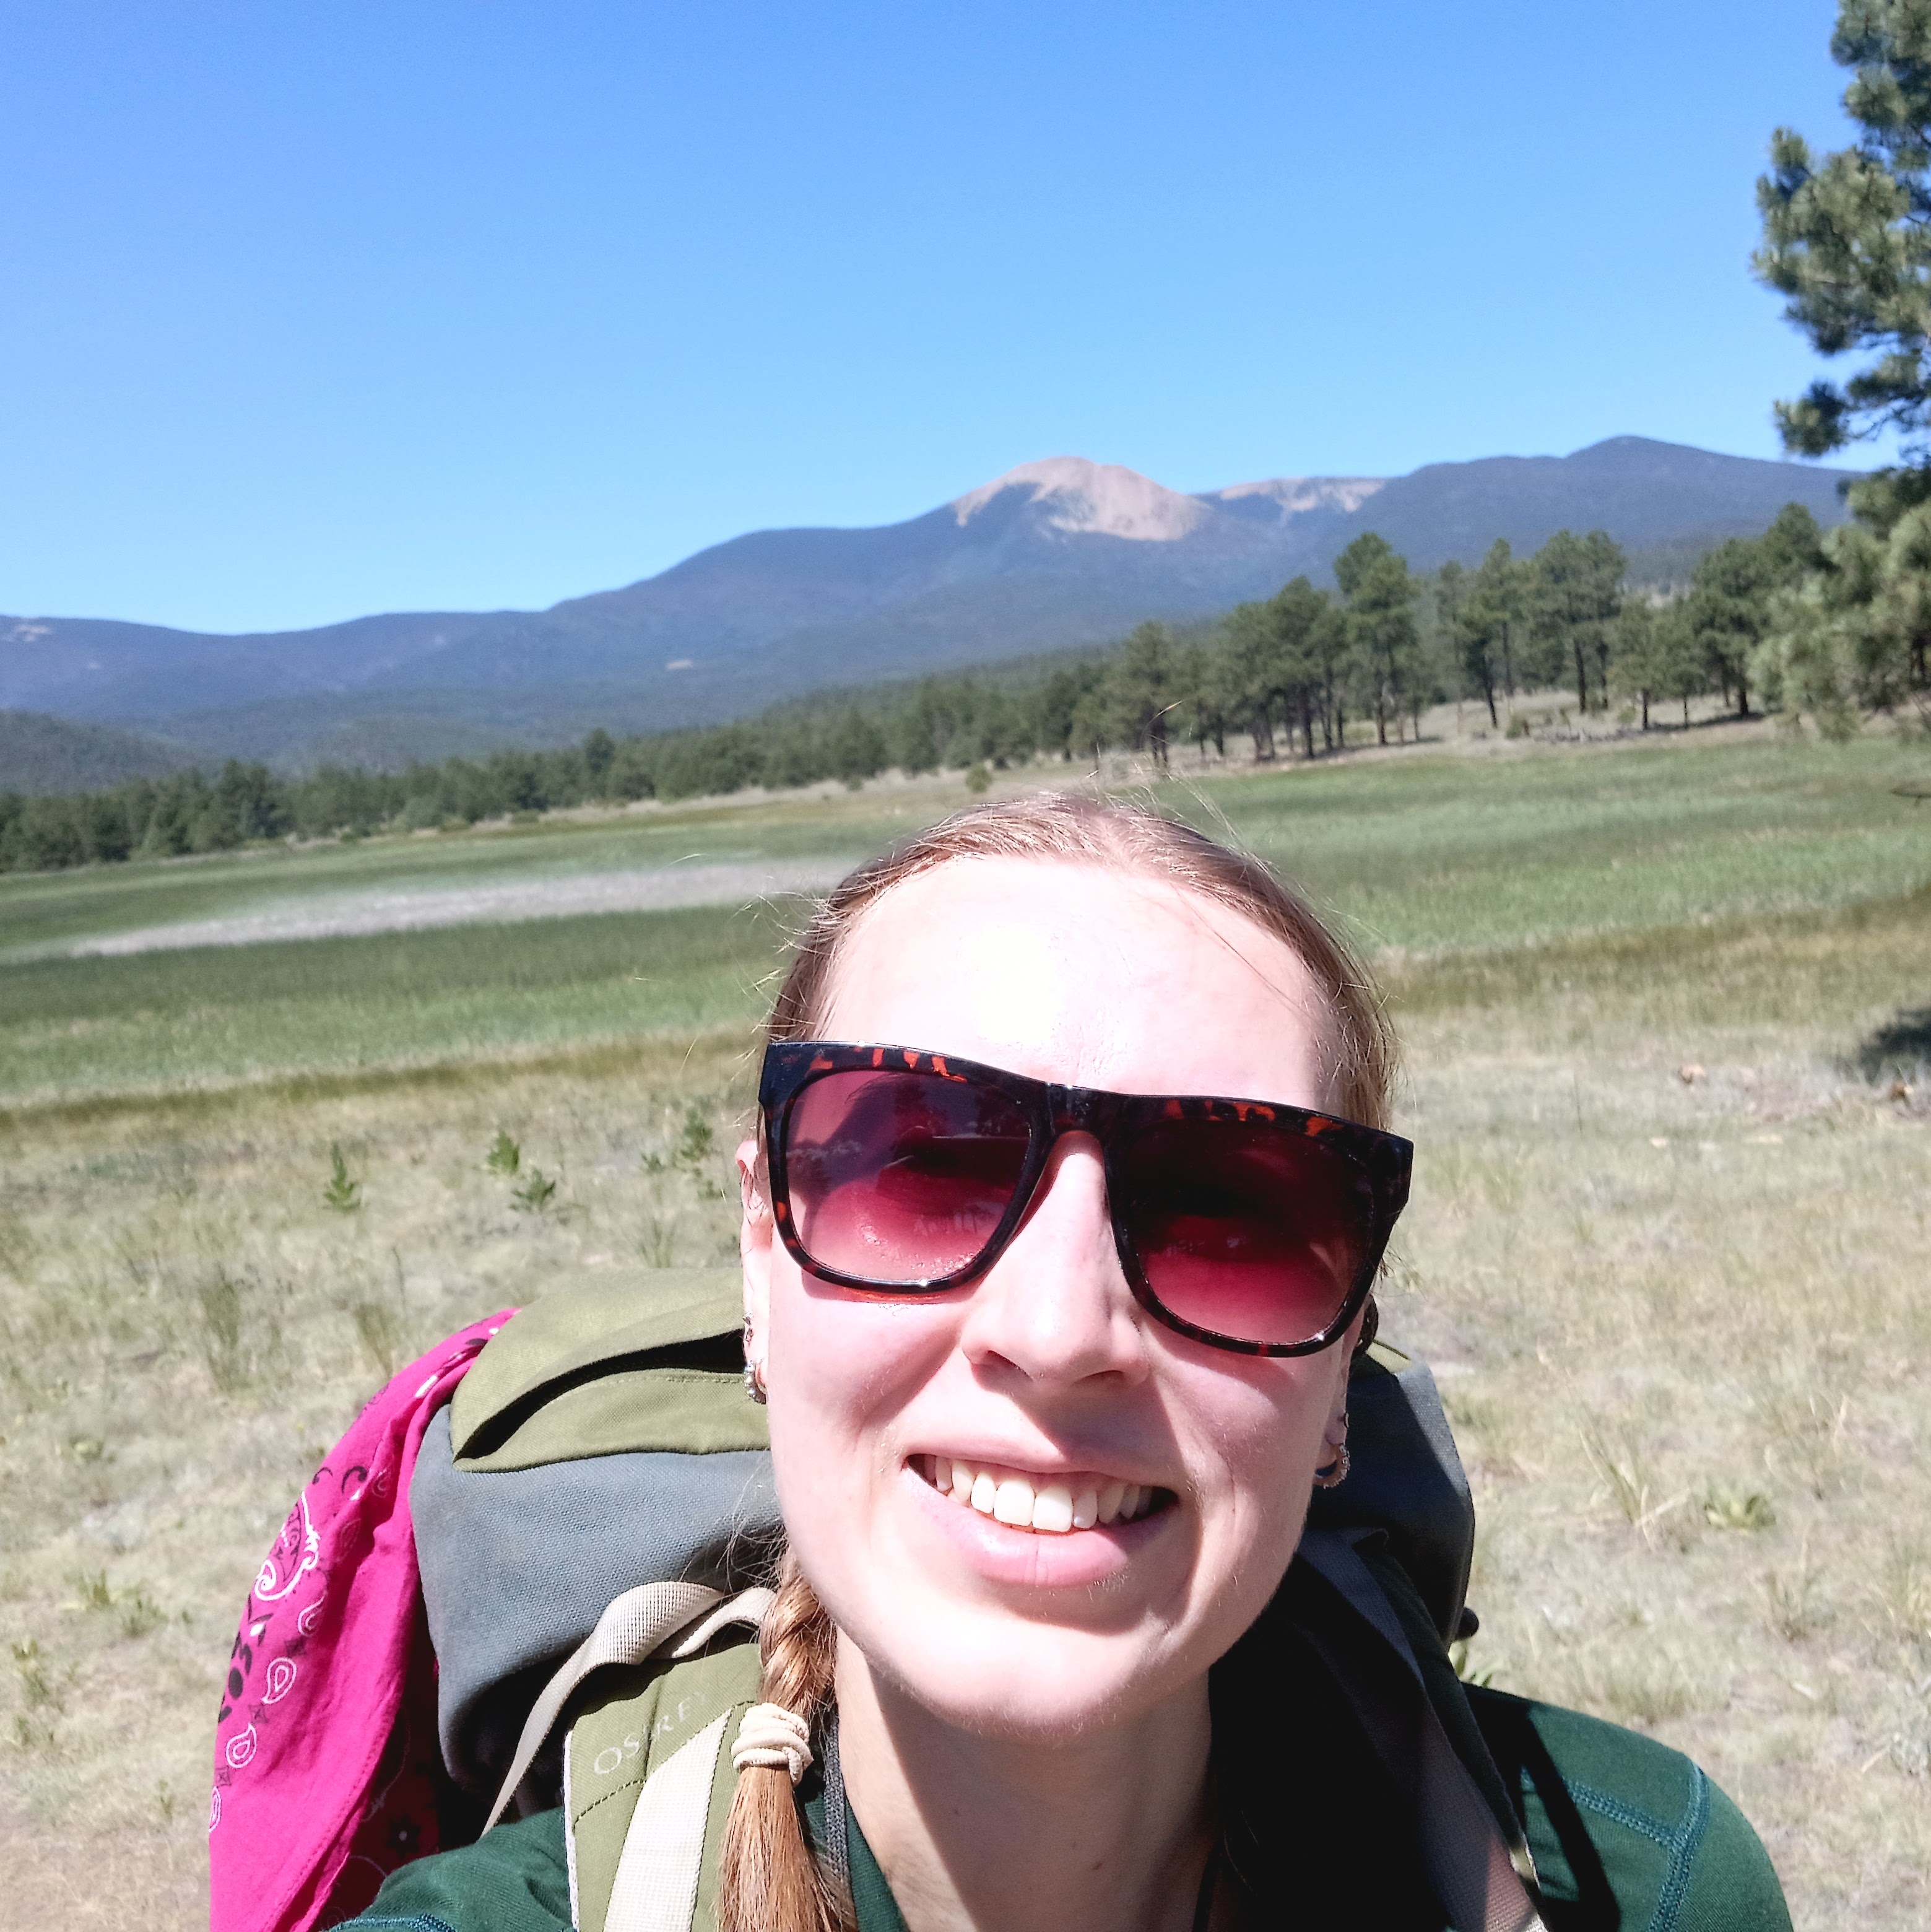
{"points": [[40, 754], [1051, 555]]}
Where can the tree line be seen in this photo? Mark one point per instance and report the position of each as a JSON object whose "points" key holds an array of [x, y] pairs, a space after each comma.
{"points": [[1301, 674]]}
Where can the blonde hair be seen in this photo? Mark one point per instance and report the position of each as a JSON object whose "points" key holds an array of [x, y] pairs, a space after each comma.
{"points": [[770, 1880]]}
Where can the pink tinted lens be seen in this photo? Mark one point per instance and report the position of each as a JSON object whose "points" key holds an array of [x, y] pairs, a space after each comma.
{"points": [[901, 1178], [1246, 1230]]}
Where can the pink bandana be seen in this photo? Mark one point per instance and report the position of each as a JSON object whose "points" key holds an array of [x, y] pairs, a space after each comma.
{"points": [[325, 1754]]}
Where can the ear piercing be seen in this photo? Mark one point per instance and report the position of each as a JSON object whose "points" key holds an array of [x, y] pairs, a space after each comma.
{"points": [[1332, 1474], [754, 1377]]}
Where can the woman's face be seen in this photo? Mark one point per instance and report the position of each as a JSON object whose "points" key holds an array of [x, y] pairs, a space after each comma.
{"points": [[1046, 1369]]}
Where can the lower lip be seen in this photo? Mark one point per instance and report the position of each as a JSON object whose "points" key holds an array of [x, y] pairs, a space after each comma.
{"points": [[1031, 1559]]}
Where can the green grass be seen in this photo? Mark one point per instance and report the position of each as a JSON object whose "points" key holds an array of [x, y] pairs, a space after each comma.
{"points": [[1427, 856], [1434, 853], [146, 1022]]}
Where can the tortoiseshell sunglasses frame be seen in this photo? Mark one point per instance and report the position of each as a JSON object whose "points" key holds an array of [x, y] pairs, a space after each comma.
{"points": [[1382, 1160]]}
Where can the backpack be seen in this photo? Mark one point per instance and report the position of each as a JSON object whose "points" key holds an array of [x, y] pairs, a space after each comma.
{"points": [[593, 1512]]}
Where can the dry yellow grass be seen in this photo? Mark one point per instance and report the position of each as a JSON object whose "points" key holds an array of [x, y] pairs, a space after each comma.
{"points": [[1683, 1327]]}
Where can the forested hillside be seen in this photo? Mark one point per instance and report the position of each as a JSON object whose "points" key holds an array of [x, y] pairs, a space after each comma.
{"points": [[40, 754], [1301, 674], [1059, 555]]}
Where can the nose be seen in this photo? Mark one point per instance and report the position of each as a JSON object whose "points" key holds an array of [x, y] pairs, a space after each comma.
{"points": [[1055, 1307]]}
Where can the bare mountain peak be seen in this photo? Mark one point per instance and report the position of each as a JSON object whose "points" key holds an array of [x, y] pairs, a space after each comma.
{"points": [[1092, 499]]}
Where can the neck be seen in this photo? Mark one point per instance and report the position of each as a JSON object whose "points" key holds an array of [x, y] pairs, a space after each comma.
{"points": [[996, 1835]]}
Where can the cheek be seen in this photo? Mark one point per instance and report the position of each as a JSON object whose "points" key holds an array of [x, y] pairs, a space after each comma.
{"points": [[840, 1372], [1259, 1439]]}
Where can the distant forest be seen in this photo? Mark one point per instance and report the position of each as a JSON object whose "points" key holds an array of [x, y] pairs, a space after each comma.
{"points": [[1295, 674]]}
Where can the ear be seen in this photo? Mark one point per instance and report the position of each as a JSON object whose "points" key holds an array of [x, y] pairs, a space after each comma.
{"points": [[756, 1231], [1336, 1431]]}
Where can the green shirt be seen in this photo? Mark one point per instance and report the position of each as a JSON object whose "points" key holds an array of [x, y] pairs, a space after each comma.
{"points": [[1628, 1836]]}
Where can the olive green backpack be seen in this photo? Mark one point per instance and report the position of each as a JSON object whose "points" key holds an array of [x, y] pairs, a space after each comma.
{"points": [[594, 1514]]}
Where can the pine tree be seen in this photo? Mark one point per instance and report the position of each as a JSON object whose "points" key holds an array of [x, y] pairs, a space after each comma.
{"points": [[1487, 625], [1847, 237], [1146, 689], [1576, 593], [1380, 596], [1309, 639]]}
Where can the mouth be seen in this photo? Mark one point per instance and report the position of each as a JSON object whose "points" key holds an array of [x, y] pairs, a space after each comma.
{"points": [[1046, 1504]]}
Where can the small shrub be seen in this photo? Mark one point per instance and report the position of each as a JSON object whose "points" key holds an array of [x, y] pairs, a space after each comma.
{"points": [[342, 1194], [697, 1143], [221, 1302], [1789, 1598], [1901, 1595], [139, 1614], [536, 1195], [505, 1155], [94, 1594], [978, 779], [38, 1687], [1518, 727], [1725, 1508]]}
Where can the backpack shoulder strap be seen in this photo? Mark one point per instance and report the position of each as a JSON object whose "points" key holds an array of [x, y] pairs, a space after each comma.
{"points": [[647, 1785], [636, 1625]]}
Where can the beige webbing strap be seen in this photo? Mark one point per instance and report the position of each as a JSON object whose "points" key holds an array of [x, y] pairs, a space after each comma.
{"points": [[633, 1626], [655, 1889]]}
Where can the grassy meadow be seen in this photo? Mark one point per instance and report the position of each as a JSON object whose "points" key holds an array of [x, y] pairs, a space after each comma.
{"points": [[1667, 1012]]}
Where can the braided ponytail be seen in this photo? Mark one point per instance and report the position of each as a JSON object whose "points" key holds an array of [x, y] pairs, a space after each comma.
{"points": [[771, 1880]]}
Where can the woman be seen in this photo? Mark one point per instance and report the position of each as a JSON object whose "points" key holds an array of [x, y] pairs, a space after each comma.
{"points": [[1056, 1351]]}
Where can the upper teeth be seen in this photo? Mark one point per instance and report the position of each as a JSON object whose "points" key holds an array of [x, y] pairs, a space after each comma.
{"points": [[1054, 1503]]}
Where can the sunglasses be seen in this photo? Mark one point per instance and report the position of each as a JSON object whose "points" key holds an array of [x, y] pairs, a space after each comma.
{"points": [[1244, 1225]]}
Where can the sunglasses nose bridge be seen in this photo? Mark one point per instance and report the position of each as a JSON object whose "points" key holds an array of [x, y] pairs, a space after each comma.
{"points": [[1081, 1110]]}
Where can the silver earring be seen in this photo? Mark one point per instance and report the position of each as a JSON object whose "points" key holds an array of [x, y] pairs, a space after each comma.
{"points": [[754, 1382], [1332, 1474]]}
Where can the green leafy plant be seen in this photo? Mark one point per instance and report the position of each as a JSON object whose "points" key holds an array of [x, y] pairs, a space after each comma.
{"points": [[1736, 1509], [505, 1156], [140, 1613], [341, 1193], [535, 1194], [94, 1594], [37, 1686], [697, 1143]]}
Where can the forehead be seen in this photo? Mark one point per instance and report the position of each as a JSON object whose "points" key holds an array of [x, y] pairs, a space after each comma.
{"points": [[1081, 974]]}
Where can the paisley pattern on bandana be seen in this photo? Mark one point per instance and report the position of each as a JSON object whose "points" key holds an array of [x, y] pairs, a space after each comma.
{"points": [[327, 1774]]}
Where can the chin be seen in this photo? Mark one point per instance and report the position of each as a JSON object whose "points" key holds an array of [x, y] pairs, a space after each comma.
{"points": [[1025, 1682]]}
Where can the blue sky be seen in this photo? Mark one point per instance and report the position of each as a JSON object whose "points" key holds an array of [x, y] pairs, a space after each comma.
{"points": [[316, 310]]}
